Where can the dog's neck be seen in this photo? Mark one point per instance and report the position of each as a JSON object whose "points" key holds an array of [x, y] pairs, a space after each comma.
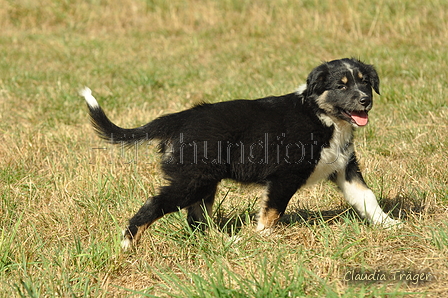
{"points": [[343, 131]]}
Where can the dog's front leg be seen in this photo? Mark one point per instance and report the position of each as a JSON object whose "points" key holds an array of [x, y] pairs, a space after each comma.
{"points": [[361, 197]]}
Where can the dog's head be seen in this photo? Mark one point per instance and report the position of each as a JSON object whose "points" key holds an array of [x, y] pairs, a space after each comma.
{"points": [[342, 89]]}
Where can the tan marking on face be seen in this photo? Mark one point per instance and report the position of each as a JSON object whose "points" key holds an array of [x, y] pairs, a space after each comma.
{"points": [[344, 80], [321, 99], [360, 75], [323, 104]]}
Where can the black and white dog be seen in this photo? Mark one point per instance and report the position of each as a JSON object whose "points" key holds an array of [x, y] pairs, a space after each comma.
{"points": [[283, 142]]}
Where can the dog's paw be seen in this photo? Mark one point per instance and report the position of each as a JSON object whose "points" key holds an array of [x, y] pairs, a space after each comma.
{"points": [[391, 224], [127, 243], [264, 231]]}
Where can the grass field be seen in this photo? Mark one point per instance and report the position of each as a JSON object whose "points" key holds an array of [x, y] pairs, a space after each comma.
{"points": [[66, 195]]}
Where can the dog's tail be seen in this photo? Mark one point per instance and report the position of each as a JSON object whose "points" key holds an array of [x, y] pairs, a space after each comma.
{"points": [[113, 133]]}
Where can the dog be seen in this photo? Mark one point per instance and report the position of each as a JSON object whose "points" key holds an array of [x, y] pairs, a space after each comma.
{"points": [[282, 142]]}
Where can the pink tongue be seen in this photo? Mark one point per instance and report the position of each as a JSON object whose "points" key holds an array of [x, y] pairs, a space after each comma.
{"points": [[360, 118]]}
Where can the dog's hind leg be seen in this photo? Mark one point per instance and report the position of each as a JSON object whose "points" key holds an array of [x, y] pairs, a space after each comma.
{"points": [[198, 212], [274, 203], [170, 199], [153, 209]]}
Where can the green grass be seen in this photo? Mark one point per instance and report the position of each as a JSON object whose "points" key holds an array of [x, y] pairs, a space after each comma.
{"points": [[63, 201]]}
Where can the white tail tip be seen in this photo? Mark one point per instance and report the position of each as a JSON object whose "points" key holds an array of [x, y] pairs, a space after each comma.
{"points": [[87, 94]]}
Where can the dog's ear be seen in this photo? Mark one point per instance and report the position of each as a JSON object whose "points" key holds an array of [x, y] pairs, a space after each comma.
{"points": [[374, 80], [316, 80]]}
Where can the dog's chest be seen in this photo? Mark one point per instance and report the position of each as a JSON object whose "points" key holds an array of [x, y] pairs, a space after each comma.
{"points": [[334, 157]]}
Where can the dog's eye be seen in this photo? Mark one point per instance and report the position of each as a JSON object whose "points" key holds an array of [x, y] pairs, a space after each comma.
{"points": [[342, 87], [365, 82]]}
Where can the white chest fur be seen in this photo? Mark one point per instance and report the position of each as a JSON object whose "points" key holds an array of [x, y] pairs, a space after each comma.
{"points": [[335, 157]]}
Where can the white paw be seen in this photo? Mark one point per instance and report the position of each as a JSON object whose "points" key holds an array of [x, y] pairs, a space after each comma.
{"points": [[389, 223], [266, 232], [126, 243]]}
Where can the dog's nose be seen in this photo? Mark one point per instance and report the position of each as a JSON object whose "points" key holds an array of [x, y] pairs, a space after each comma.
{"points": [[365, 101]]}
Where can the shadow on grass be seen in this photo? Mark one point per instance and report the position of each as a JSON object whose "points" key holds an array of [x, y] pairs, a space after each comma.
{"points": [[401, 207]]}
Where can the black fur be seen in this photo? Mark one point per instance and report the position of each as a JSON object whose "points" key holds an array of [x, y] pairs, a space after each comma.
{"points": [[273, 141]]}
